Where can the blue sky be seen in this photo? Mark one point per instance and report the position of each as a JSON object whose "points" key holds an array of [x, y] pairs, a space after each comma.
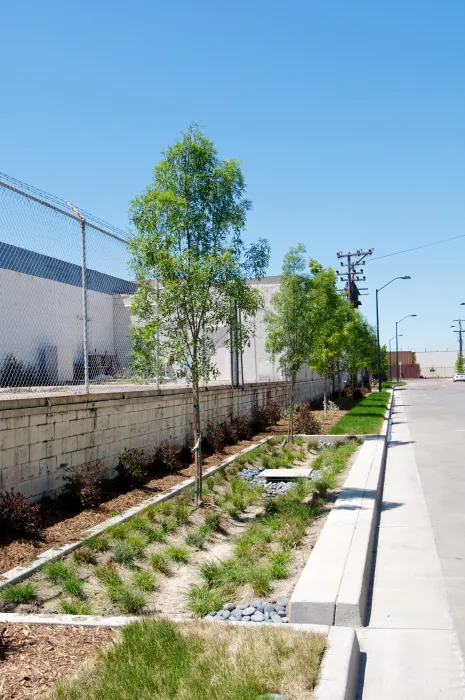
{"points": [[348, 118]]}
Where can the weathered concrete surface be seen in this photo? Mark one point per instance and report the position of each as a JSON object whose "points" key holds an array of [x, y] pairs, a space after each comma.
{"points": [[410, 649], [435, 411], [315, 595], [339, 669], [409, 665]]}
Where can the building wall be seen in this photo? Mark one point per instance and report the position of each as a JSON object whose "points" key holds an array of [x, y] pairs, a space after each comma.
{"points": [[36, 312], [44, 439], [443, 362]]}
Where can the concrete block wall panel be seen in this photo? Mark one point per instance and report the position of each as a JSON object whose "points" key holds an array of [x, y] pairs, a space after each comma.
{"points": [[43, 440]]}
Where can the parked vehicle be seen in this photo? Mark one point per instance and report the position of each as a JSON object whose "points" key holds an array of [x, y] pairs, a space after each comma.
{"points": [[458, 378]]}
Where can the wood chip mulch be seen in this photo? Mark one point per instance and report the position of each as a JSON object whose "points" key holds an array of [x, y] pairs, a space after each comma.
{"points": [[33, 657], [62, 527]]}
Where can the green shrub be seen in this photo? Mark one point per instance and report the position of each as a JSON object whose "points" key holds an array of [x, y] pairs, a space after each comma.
{"points": [[129, 600], [157, 535], [20, 593], [100, 543], [119, 531], [84, 555], [181, 513], [177, 554], [278, 565], [73, 586], [144, 580], [196, 538], [127, 551], [160, 562], [58, 571], [213, 522], [69, 607], [203, 600], [108, 575], [260, 579]]}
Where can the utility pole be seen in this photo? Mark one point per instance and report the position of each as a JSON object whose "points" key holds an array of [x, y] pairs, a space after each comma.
{"points": [[460, 331], [354, 260]]}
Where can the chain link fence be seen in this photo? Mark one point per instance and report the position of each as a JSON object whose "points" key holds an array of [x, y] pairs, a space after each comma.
{"points": [[65, 297]]}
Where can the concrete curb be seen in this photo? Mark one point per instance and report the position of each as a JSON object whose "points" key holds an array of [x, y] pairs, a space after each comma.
{"points": [[123, 620], [340, 666], [19, 573], [351, 604], [333, 586]]}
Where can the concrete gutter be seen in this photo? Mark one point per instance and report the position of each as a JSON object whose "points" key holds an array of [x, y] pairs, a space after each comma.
{"points": [[333, 586], [340, 666], [19, 573]]}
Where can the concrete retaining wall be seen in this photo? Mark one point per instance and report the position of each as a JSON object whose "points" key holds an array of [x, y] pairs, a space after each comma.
{"points": [[42, 439]]}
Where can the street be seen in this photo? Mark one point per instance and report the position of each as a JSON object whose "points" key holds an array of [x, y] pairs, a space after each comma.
{"points": [[416, 624], [435, 411]]}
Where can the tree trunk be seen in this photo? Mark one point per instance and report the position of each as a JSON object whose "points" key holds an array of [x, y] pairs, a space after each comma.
{"points": [[197, 445], [325, 394], [338, 381], [290, 431]]}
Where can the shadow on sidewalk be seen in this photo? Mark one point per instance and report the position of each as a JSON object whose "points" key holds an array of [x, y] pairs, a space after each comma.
{"points": [[398, 443], [353, 493]]}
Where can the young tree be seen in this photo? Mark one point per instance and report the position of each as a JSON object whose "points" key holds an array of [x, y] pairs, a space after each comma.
{"points": [[288, 327], [188, 237], [459, 366], [330, 316], [360, 345]]}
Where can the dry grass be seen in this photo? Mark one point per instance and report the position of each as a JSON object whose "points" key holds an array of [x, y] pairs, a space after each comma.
{"points": [[205, 661]]}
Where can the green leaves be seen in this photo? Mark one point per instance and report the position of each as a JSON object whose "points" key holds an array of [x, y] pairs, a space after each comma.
{"points": [[188, 237]]}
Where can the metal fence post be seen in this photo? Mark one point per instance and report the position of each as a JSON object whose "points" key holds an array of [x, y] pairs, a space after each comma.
{"points": [[84, 306]]}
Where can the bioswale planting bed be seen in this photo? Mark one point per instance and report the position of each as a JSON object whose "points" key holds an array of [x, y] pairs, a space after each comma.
{"points": [[245, 548]]}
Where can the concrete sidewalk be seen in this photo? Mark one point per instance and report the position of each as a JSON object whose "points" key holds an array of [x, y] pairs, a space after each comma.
{"points": [[410, 650]]}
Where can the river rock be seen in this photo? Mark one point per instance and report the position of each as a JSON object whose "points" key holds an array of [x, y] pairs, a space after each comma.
{"points": [[249, 611], [226, 614], [229, 606], [246, 618], [276, 618], [258, 617]]}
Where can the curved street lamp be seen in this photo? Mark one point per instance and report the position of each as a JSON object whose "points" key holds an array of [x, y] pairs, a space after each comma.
{"points": [[404, 277], [397, 342]]}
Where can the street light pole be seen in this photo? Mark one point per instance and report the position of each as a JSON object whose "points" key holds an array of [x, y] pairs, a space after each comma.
{"points": [[404, 277], [397, 342], [390, 359]]}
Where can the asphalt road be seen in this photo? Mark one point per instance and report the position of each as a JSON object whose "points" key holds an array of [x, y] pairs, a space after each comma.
{"points": [[435, 412]]}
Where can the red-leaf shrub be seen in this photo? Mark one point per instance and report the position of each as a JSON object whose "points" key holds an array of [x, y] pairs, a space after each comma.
{"points": [[18, 517], [242, 426], [213, 438], [274, 412], [168, 456], [258, 419], [132, 467], [305, 422], [83, 488]]}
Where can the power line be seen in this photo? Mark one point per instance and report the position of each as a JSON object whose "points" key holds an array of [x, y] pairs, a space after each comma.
{"points": [[409, 250]]}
